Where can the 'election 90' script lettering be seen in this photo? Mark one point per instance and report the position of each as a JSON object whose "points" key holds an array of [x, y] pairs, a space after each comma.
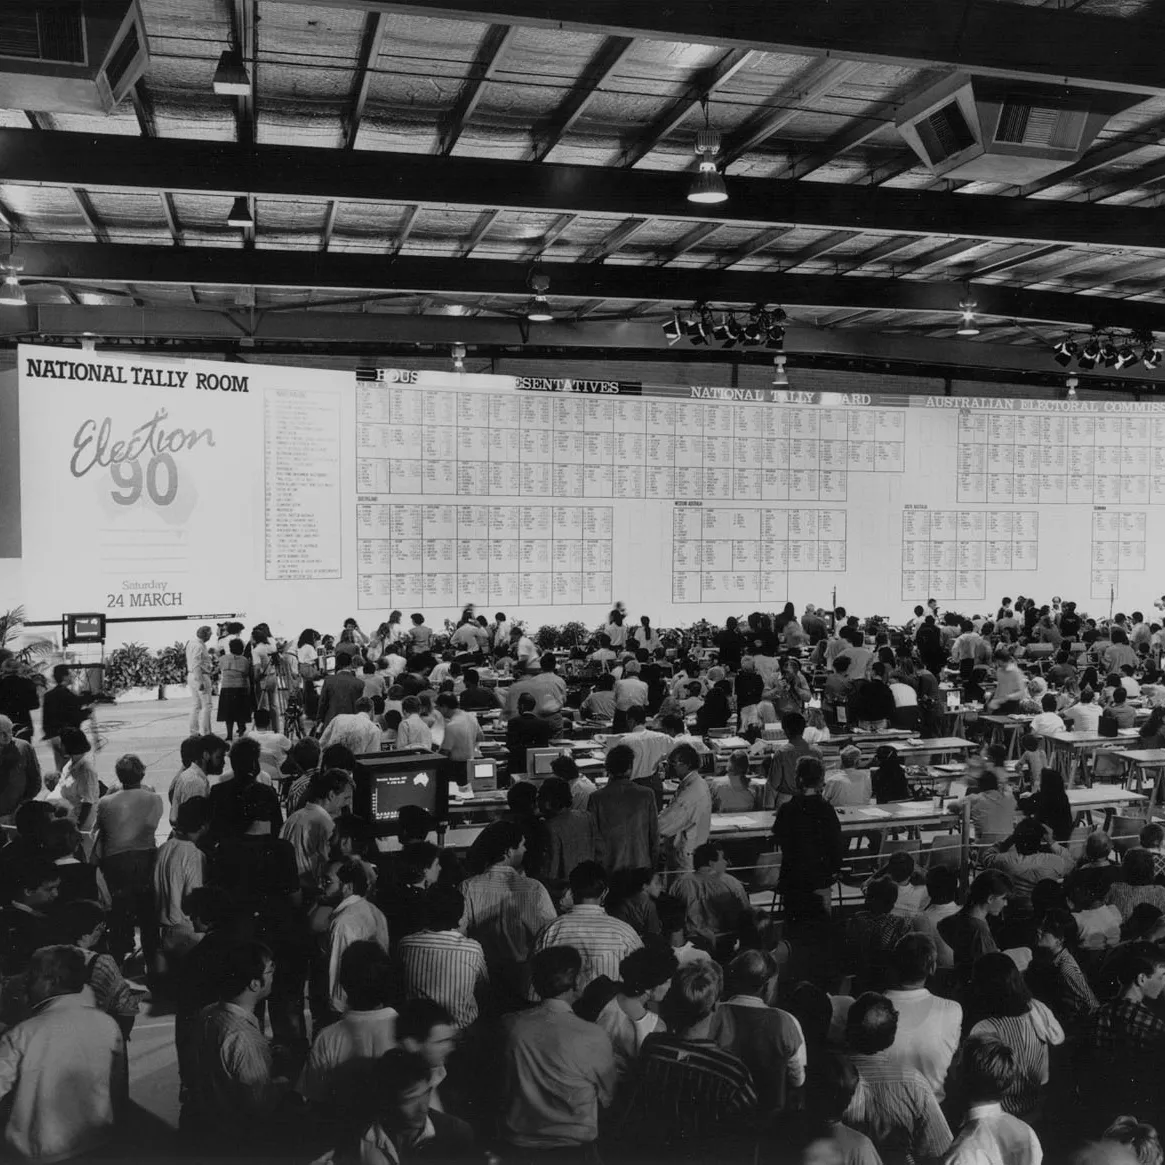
{"points": [[93, 445]]}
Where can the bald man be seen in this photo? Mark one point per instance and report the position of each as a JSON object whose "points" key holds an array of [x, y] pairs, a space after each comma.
{"points": [[20, 778]]}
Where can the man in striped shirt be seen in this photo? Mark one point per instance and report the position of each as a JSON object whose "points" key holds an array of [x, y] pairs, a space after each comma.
{"points": [[504, 910], [692, 1096], [439, 963], [602, 941], [894, 1106]]}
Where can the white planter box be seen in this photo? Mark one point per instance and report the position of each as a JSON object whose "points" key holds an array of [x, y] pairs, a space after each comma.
{"points": [[139, 695]]}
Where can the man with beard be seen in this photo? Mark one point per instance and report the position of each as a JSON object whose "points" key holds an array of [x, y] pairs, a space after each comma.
{"points": [[353, 919]]}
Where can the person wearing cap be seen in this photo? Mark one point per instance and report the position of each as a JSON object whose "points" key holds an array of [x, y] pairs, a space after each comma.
{"points": [[199, 669]]}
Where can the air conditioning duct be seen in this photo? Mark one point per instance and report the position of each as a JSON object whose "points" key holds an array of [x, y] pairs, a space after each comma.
{"points": [[985, 129], [75, 56]]}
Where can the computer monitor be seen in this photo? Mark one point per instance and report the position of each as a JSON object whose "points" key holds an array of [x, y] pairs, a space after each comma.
{"points": [[387, 781], [539, 760], [954, 699], [481, 774]]}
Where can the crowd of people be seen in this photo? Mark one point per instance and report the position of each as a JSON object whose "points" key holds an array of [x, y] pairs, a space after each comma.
{"points": [[596, 977]]}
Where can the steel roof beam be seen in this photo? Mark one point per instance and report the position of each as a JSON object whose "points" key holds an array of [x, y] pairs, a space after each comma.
{"points": [[1009, 40], [220, 266], [118, 162]]}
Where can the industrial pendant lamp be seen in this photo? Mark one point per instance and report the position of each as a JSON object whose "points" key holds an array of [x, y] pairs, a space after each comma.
{"points": [[708, 184], [967, 324], [12, 294], [240, 215], [231, 78]]}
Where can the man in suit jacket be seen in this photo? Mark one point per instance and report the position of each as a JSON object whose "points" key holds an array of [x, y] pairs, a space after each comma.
{"points": [[341, 691], [626, 816]]}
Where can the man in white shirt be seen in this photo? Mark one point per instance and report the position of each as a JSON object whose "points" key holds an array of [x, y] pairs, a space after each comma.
{"points": [[355, 730], [942, 884], [685, 823], [353, 919], [501, 630], [603, 653], [1048, 720], [966, 646], [929, 1027], [852, 785], [1085, 716], [344, 1055], [987, 1070], [199, 668], [630, 690], [649, 746], [522, 647], [62, 1070], [462, 735], [548, 689], [195, 779], [310, 829], [179, 868]]}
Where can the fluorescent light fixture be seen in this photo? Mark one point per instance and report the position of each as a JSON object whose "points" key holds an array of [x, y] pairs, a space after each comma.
{"points": [[240, 215], [231, 78]]}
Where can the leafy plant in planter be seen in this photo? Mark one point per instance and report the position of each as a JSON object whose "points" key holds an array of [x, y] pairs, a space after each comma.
{"points": [[132, 666], [547, 637], [32, 653], [171, 666], [573, 634], [702, 631]]}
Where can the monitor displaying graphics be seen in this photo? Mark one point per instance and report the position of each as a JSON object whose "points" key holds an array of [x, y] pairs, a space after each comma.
{"points": [[539, 760], [954, 699], [385, 782], [481, 775], [86, 628]]}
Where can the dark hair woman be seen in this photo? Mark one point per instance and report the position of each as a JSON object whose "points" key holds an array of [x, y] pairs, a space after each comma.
{"points": [[888, 776], [307, 652], [1001, 1007], [234, 693]]}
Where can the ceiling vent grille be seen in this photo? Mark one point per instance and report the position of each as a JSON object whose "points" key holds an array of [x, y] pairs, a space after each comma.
{"points": [[55, 33], [1021, 123], [70, 57], [945, 133], [976, 129], [123, 59]]}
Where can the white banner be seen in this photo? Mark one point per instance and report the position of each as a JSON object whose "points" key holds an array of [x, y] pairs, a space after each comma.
{"points": [[140, 482]]}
